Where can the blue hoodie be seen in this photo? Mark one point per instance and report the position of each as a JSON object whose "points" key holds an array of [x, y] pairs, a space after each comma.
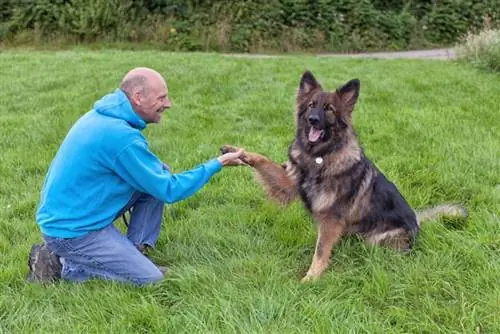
{"points": [[102, 161]]}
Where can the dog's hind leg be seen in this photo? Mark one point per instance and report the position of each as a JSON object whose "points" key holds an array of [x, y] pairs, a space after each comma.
{"points": [[329, 232], [397, 238], [279, 181]]}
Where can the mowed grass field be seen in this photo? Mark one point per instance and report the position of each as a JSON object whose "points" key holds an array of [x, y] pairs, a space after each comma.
{"points": [[432, 127]]}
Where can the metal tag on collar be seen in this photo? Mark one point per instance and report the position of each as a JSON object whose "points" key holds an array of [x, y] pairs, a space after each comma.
{"points": [[319, 160]]}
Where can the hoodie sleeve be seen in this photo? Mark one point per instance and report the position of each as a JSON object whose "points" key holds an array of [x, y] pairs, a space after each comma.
{"points": [[137, 165]]}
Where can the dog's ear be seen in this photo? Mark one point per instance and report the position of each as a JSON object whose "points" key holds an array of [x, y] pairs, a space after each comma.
{"points": [[349, 93], [308, 83]]}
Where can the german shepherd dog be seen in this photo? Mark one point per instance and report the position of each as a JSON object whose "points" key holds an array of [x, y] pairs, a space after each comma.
{"points": [[341, 188]]}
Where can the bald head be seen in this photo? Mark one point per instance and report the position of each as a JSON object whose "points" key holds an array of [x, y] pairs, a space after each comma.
{"points": [[147, 92], [141, 79]]}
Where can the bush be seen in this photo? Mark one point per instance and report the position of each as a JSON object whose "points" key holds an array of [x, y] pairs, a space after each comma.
{"points": [[481, 50], [251, 25]]}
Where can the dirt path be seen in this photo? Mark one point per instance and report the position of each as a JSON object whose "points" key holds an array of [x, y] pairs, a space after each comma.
{"points": [[440, 54], [443, 54]]}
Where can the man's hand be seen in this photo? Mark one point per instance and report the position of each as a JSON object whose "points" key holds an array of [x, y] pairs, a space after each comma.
{"points": [[231, 159]]}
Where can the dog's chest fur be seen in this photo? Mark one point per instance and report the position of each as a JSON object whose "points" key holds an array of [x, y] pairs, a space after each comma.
{"points": [[312, 180], [329, 182]]}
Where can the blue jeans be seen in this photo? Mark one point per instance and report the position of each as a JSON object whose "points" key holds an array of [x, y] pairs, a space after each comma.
{"points": [[108, 254]]}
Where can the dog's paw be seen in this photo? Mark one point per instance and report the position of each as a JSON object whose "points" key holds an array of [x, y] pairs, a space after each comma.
{"points": [[229, 149], [309, 278]]}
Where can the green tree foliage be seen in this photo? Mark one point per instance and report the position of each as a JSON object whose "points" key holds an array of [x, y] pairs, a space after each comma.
{"points": [[253, 25]]}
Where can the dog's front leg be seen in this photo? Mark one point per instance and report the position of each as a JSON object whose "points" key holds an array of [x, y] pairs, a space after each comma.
{"points": [[329, 232], [279, 181]]}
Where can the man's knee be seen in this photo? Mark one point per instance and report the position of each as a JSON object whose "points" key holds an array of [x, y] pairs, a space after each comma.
{"points": [[154, 275]]}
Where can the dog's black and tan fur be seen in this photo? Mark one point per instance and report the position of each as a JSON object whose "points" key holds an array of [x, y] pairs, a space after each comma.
{"points": [[339, 185]]}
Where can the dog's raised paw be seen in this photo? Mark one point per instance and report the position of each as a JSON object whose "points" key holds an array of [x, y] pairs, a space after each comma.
{"points": [[228, 149]]}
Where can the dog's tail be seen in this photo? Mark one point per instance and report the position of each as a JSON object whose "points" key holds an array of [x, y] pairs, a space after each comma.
{"points": [[450, 211]]}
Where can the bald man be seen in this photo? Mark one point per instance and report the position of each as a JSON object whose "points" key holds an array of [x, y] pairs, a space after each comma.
{"points": [[104, 168]]}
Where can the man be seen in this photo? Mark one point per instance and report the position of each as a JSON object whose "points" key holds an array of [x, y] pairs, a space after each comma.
{"points": [[103, 168]]}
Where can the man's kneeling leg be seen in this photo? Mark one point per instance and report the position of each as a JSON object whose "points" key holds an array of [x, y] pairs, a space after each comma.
{"points": [[104, 254]]}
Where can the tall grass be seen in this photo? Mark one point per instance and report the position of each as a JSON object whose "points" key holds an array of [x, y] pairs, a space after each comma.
{"points": [[481, 49], [236, 259]]}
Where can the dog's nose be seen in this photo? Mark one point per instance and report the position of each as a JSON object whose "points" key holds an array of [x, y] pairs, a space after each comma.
{"points": [[313, 119]]}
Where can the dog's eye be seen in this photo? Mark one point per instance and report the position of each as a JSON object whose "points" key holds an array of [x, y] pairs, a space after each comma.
{"points": [[329, 107], [310, 105], [341, 123]]}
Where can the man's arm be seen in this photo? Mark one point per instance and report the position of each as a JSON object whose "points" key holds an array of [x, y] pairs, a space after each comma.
{"points": [[137, 165]]}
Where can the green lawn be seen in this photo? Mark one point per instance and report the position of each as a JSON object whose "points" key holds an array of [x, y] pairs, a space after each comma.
{"points": [[236, 259]]}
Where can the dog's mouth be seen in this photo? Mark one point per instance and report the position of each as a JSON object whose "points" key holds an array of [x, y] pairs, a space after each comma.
{"points": [[315, 134]]}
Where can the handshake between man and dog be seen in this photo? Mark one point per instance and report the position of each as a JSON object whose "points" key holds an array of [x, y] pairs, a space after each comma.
{"points": [[341, 188]]}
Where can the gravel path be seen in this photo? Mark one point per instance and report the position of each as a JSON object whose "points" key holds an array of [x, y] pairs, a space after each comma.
{"points": [[441, 54]]}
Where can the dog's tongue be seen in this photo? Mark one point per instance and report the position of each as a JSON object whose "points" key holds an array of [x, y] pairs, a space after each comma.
{"points": [[314, 134]]}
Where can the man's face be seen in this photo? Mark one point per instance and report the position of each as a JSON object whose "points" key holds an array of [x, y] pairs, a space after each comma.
{"points": [[152, 104]]}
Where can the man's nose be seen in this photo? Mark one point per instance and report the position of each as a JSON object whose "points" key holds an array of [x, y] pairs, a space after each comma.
{"points": [[167, 103]]}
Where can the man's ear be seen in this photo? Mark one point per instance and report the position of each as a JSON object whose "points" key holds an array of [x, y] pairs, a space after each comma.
{"points": [[349, 93], [308, 84], [136, 97]]}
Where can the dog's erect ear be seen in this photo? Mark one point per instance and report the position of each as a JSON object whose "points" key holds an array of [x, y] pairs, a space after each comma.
{"points": [[308, 83], [349, 93]]}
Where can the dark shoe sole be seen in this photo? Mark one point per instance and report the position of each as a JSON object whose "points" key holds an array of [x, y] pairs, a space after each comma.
{"points": [[43, 264]]}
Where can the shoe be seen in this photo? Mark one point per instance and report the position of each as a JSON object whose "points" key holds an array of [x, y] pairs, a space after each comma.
{"points": [[44, 265], [144, 248], [163, 269]]}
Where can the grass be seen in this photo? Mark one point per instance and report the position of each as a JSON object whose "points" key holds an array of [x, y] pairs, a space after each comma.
{"points": [[236, 259], [481, 50]]}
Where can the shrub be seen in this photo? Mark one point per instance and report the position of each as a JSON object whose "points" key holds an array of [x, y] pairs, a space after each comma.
{"points": [[481, 49], [250, 25]]}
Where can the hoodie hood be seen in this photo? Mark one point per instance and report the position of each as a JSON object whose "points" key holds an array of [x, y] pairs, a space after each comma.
{"points": [[117, 105]]}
